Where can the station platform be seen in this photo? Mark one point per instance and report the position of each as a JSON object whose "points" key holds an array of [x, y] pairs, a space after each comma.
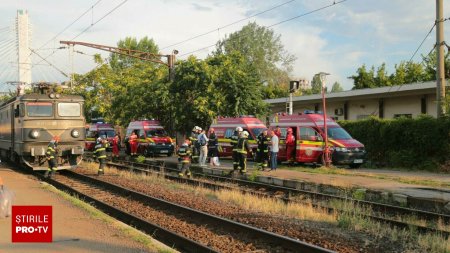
{"points": [[422, 190], [74, 229]]}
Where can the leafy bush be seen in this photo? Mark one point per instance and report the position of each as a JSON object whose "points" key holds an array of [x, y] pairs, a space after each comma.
{"points": [[423, 142]]}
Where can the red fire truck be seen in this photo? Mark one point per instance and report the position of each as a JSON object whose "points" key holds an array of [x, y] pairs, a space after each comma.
{"points": [[152, 138], [225, 127], [95, 130], [308, 129]]}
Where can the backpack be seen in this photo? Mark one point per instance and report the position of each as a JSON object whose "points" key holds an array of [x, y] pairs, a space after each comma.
{"points": [[202, 140]]}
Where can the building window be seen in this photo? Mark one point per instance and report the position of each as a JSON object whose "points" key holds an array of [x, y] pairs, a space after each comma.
{"points": [[405, 115], [362, 116]]}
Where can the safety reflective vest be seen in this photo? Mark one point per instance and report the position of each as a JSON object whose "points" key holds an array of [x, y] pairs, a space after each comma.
{"points": [[242, 146], [51, 150]]}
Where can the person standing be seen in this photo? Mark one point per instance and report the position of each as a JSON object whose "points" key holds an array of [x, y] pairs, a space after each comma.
{"points": [[290, 146], [203, 142], [133, 140], [278, 132], [51, 154], [213, 151], [194, 143], [115, 146], [100, 154], [234, 142], [262, 155], [184, 157], [243, 148], [274, 151]]}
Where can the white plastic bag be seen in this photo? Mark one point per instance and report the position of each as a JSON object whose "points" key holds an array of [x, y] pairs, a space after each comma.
{"points": [[6, 198]]}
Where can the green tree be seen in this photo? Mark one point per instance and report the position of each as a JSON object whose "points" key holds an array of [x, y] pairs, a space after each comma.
{"points": [[118, 61], [263, 49], [336, 87], [382, 77], [316, 85], [363, 78]]}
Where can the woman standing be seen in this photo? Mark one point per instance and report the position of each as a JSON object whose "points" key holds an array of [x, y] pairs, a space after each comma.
{"points": [[213, 152], [115, 146]]}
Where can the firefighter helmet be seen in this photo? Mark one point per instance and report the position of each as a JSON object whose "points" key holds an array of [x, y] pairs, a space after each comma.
{"points": [[239, 129], [244, 134]]}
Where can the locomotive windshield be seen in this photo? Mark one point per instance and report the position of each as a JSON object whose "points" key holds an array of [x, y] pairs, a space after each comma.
{"points": [[69, 109], [39, 109]]}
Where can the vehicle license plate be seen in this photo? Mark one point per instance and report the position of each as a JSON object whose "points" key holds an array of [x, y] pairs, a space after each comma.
{"points": [[358, 161], [167, 151]]}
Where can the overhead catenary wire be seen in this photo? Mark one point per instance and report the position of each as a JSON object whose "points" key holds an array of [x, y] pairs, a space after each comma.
{"points": [[73, 22], [227, 25], [100, 19], [278, 23]]}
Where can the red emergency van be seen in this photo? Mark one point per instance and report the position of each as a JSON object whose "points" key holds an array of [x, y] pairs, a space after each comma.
{"points": [[224, 128], [152, 138], [308, 129], [95, 130]]}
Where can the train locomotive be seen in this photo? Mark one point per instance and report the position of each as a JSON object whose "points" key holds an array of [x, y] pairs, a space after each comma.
{"points": [[29, 121]]}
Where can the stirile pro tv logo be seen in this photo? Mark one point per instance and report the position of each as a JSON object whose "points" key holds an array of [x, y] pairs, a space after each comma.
{"points": [[32, 224]]}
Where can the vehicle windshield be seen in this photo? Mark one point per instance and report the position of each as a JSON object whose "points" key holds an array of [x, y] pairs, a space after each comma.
{"points": [[69, 109], [39, 109], [156, 133], [106, 133], [338, 133], [257, 131]]}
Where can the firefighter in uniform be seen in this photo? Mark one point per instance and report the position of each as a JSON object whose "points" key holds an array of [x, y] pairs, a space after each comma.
{"points": [[100, 154], [262, 152], [243, 148], [290, 146], [195, 144], [51, 156], [184, 156], [234, 142]]}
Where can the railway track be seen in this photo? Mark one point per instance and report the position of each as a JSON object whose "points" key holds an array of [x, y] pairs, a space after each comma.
{"points": [[186, 229], [265, 190]]}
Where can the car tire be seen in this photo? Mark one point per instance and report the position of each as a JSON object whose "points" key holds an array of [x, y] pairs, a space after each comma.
{"points": [[355, 165], [146, 152], [169, 154]]}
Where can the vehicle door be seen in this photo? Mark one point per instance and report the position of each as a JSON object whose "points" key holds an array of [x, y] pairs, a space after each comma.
{"points": [[282, 144], [309, 145], [225, 142]]}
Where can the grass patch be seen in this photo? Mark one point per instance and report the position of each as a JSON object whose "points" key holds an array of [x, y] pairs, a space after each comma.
{"points": [[344, 172], [124, 229]]}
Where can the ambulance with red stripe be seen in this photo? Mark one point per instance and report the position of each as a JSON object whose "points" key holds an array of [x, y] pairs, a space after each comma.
{"points": [[308, 129], [95, 130], [224, 128], [152, 138]]}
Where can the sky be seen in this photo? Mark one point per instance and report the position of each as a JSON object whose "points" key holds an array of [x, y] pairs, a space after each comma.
{"points": [[336, 40]]}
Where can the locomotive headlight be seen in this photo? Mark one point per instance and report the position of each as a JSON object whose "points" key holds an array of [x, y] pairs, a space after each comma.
{"points": [[57, 95], [75, 133], [52, 95], [34, 134]]}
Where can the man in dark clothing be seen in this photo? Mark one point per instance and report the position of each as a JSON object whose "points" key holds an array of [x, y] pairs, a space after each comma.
{"points": [[52, 152], [234, 141], [100, 154], [195, 144], [184, 156], [243, 148], [262, 155]]}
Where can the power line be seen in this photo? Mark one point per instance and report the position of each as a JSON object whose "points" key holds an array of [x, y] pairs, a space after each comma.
{"points": [[104, 16], [92, 24], [227, 25], [278, 23], [67, 27], [421, 43]]}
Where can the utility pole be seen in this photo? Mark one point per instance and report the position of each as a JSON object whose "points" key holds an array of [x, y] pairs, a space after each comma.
{"points": [[440, 67]]}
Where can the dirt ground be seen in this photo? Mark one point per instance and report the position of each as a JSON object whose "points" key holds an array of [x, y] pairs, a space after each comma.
{"points": [[74, 229]]}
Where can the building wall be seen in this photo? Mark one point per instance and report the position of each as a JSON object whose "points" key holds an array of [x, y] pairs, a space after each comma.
{"points": [[431, 105], [361, 109], [402, 105]]}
